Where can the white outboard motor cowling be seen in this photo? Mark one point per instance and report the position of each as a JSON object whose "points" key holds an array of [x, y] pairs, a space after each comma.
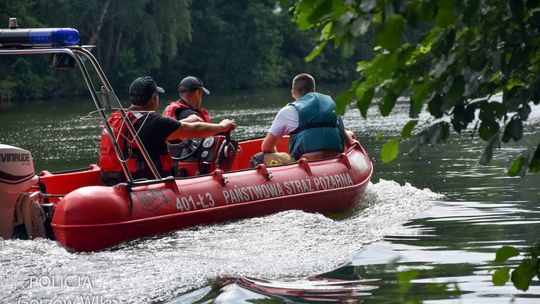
{"points": [[16, 175]]}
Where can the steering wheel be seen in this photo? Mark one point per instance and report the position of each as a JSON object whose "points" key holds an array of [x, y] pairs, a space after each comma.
{"points": [[190, 147]]}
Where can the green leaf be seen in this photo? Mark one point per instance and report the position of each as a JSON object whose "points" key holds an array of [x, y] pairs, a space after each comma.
{"points": [[379, 136], [411, 13], [360, 26], [389, 35], [326, 31], [518, 166], [492, 110], [381, 67], [534, 165], [513, 99], [302, 10], [419, 96], [442, 288], [504, 253], [407, 129], [487, 129], [343, 100], [362, 65], [323, 9], [459, 118], [524, 112], [456, 91], [512, 83], [522, 275], [316, 51], [390, 150], [406, 56], [435, 106], [364, 94], [347, 46], [405, 278], [387, 104], [445, 16], [501, 276], [513, 130]]}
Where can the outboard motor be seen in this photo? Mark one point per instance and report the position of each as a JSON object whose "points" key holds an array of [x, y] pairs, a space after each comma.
{"points": [[16, 206]]}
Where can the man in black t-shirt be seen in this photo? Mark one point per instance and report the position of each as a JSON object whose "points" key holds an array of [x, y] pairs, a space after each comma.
{"points": [[153, 129]]}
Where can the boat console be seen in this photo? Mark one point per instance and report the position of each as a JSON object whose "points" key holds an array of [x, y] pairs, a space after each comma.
{"points": [[196, 156]]}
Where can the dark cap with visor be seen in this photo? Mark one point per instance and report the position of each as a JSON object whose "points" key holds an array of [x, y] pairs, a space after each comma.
{"points": [[142, 89], [190, 84]]}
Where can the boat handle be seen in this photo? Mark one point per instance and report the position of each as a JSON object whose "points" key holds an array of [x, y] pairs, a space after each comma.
{"points": [[218, 175], [262, 169], [344, 159], [304, 164]]}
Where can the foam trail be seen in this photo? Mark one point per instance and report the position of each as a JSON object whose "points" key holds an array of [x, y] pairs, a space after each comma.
{"points": [[290, 244]]}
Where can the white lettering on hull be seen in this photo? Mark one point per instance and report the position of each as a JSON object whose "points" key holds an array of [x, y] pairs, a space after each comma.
{"points": [[292, 187]]}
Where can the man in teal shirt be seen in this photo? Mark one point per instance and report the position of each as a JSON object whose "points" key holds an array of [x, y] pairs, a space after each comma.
{"points": [[315, 129]]}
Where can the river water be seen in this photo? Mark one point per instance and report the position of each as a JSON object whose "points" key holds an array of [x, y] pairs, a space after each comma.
{"points": [[437, 215]]}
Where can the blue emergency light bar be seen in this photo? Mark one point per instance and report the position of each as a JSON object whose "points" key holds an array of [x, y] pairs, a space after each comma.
{"points": [[39, 37]]}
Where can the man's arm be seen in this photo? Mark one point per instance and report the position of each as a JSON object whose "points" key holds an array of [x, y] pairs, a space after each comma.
{"points": [[192, 118], [285, 121], [269, 143], [348, 136], [201, 129]]}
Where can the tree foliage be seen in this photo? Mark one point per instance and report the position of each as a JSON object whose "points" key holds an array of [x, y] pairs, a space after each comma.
{"points": [[460, 55], [524, 273], [231, 44]]}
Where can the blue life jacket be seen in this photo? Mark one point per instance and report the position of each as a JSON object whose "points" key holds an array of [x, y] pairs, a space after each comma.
{"points": [[318, 127]]}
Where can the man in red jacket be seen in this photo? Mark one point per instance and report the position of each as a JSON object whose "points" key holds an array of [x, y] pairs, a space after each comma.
{"points": [[154, 131], [188, 107]]}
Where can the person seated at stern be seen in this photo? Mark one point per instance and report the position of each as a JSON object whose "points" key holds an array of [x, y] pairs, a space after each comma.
{"points": [[154, 131], [316, 132]]}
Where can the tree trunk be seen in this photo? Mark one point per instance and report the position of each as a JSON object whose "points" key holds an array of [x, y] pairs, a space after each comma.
{"points": [[97, 29]]}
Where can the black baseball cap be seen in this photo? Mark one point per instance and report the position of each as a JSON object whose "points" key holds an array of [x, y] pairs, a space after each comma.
{"points": [[142, 88], [191, 83]]}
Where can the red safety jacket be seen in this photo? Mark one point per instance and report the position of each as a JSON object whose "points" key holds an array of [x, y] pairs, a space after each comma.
{"points": [[170, 110], [109, 162]]}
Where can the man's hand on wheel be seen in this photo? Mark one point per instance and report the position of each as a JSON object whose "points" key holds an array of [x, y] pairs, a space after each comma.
{"points": [[228, 125]]}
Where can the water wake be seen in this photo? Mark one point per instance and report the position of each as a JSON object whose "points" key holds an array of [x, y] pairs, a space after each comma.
{"points": [[287, 245]]}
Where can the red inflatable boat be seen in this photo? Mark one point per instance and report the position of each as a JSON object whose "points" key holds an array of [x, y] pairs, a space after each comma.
{"points": [[95, 217], [76, 210]]}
